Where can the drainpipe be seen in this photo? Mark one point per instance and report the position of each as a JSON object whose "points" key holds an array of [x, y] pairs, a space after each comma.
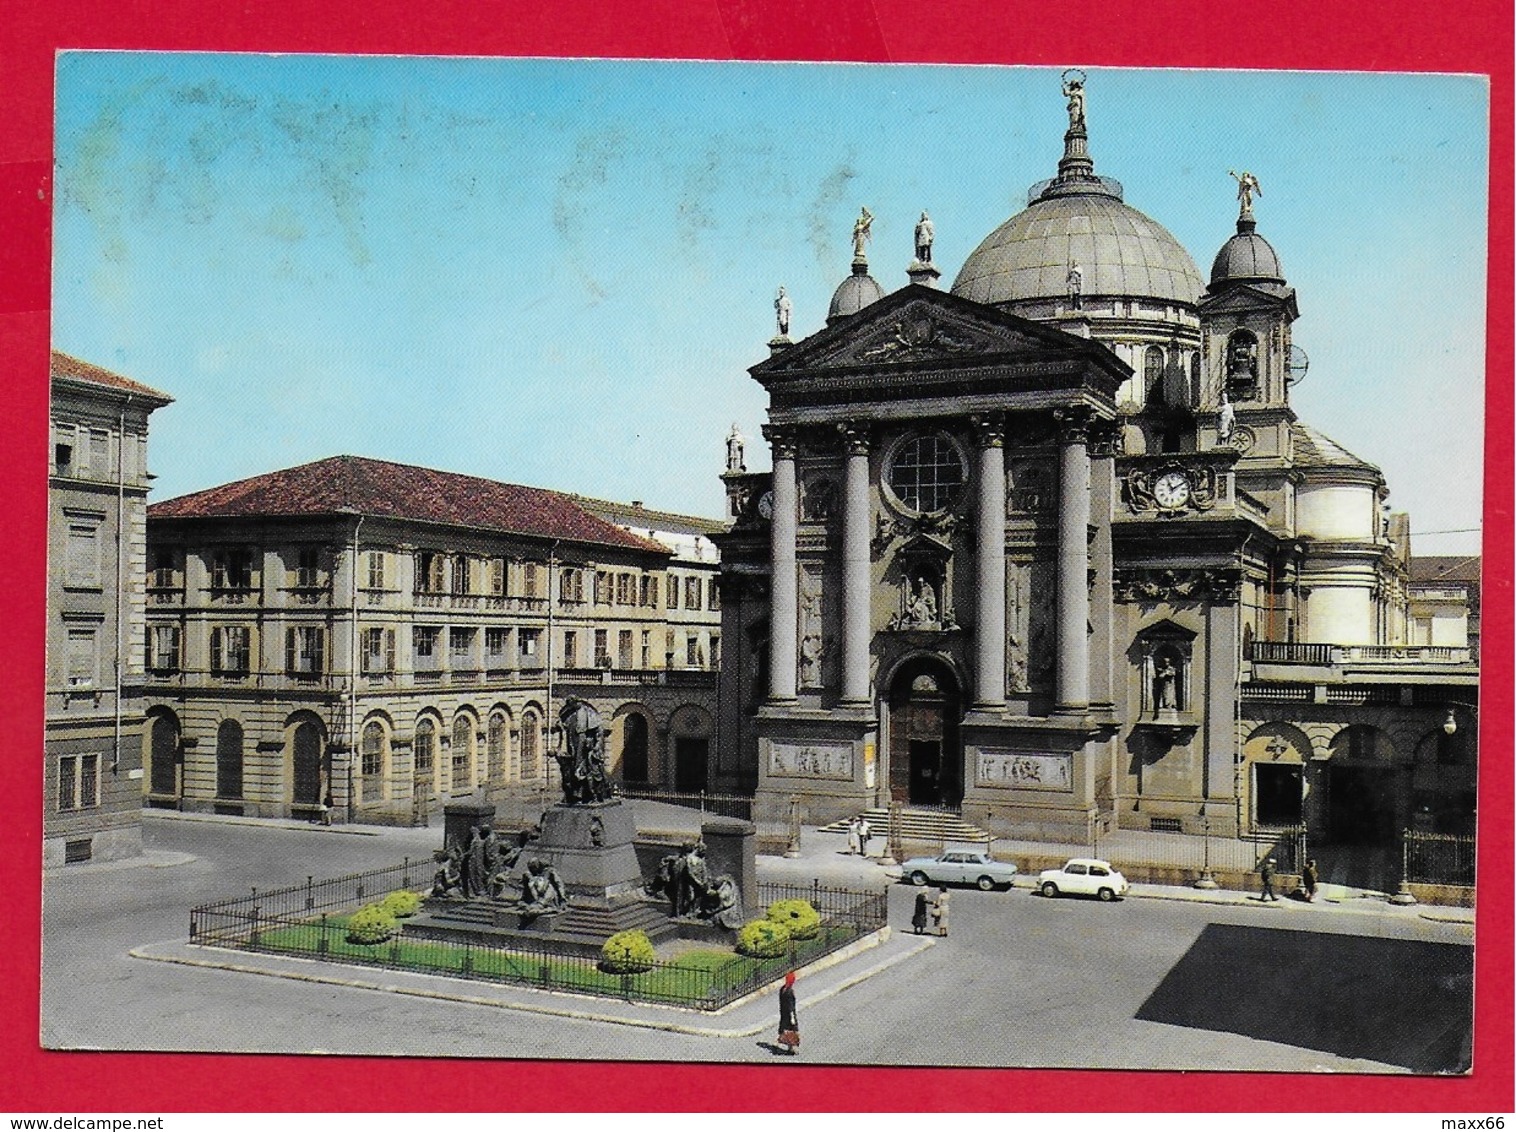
{"points": [[121, 545], [352, 671]]}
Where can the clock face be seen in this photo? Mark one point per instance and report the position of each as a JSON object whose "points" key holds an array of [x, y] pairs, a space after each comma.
{"points": [[1172, 490], [766, 505]]}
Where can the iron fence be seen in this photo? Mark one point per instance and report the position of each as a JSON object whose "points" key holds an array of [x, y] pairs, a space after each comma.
{"points": [[1438, 858], [718, 805], [309, 921]]}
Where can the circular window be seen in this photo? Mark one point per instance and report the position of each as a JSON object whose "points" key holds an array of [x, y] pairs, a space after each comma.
{"points": [[926, 473]]}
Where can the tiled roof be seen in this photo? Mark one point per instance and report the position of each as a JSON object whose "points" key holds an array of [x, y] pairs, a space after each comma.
{"points": [[349, 485], [636, 515], [66, 366], [1316, 449], [1445, 568]]}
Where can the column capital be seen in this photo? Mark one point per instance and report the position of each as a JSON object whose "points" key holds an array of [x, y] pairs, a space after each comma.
{"points": [[857, 437], [784, 441], [989, 429], [1105, 438], [1072, 425]]}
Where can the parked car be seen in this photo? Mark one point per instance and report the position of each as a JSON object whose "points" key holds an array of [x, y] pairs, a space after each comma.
{"points": [[960, 867], [1084, 876]]}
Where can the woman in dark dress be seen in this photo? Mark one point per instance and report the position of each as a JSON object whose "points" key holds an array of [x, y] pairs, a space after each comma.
{"points": [[789, 1027], [918, 917]]}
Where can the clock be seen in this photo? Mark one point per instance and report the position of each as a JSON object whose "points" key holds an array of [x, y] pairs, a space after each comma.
{"points": [[766, 505], [1172, 490], [1295, 365]]}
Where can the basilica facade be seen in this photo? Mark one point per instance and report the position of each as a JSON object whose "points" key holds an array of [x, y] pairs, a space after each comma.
{"points": [[1050, 547]]}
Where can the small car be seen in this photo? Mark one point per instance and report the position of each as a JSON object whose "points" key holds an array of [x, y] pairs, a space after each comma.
{"points": [[1084, 876], [960, 866]]}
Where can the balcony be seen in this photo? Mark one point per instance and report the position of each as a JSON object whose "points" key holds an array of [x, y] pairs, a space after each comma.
{"points": [[1336, 656]]}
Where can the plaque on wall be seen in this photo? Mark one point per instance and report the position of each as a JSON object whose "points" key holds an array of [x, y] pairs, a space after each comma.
{"points": [[811, 760], [1024, 771]]}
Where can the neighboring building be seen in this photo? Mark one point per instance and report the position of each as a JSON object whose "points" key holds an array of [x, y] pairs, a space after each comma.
{"points": [[391, 637], [1444, 601], [97, 530], [1053, 549]]}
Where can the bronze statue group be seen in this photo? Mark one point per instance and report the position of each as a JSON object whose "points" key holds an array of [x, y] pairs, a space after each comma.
{"points": [[685, 879]]}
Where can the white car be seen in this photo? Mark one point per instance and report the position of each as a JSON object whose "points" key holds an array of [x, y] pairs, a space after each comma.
{"points": [[960, 868], [1084, 876]]}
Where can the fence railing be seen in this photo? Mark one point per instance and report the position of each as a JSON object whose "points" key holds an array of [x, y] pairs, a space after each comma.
{"points": [[1438, 858], [307, 921], [718, 805]]}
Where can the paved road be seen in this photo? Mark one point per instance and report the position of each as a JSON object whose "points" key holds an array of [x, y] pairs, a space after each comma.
{"points": [[1022, 980]]}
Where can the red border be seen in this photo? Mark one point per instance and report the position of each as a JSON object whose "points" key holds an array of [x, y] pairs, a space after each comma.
{"points": [[1343, 34]]}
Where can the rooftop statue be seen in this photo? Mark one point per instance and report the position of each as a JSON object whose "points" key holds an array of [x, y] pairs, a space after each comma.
{"points": [[862, 232], [925, 233], [782, 311], [1073, 89], [1247, 186]]}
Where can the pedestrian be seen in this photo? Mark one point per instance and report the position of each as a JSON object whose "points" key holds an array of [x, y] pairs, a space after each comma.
{"points": [[326, 809], [1266, 875], [940, 911], [918, 917], [852, 836], [1308, 879], [789, 1025], [864, 833]]}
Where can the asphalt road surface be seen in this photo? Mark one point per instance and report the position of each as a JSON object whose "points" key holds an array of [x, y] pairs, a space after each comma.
{"points": [[1022, 981]]}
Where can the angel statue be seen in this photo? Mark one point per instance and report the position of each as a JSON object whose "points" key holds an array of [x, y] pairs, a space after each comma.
{"points": [[862, 232], [1247, 187]]}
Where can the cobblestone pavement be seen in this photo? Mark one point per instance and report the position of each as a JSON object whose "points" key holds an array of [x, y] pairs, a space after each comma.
{"points": [[1162, 980]]}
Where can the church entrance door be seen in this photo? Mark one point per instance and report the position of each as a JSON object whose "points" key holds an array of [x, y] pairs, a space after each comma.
{"points": [[926, 757]]}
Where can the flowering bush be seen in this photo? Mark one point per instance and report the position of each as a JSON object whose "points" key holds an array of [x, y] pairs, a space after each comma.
{"points": [[626, 953], [802, 920], [763, 939], [370, 924]]}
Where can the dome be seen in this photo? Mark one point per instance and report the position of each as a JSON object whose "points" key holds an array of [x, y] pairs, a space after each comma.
{"points": [[1247, 256], [857, 291], [1119, 251]]}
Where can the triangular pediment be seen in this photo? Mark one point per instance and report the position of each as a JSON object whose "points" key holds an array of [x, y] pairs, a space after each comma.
{"points": [[1244, 297], [921, 326]]}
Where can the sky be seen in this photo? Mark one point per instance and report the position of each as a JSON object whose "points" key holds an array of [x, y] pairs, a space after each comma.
{"points": [[558, 272]]}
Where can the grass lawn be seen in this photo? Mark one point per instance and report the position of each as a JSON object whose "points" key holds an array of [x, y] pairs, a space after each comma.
{"points": [[695, 977]]}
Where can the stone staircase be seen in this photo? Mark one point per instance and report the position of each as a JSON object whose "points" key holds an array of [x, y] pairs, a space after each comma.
{"points": [[917, 825]]}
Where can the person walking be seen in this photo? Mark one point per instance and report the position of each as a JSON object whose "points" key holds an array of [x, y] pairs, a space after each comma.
{"points": [[918, 917], [1266, 876], [864, 833], [940, 911], [1308, 879], [789, 1025], [852, 836]]}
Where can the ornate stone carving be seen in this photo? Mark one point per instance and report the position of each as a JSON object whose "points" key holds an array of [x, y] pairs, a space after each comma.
{"points": [[1029, 491], [783, 442], [1072, 425], [989, 430], [855, 438], [915, 336], [1143, 489], [812, 645], [1105, 439], [887, 528], [818, 498], [1178, 587]]}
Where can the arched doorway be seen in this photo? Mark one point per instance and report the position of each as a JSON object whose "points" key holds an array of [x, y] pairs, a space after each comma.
{"points": [[1361, 788], [305, 778], [165, 754], [634, 764], [229, 759], [926, 757]]}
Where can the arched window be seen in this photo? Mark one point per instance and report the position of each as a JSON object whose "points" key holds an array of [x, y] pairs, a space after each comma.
{"points": [[634, 748], [1152, 376], [307, 765], [463, 754], [1242, 366], [425, 753], [165, 751], [229, 759], [529, 740], [371, 754], [496, 749]]}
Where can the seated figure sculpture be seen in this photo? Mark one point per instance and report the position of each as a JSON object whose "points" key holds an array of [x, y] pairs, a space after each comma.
{"points": [[542, 890], [448, 880]]}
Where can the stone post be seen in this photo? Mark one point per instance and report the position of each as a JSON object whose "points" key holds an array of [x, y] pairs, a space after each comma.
{"points": [[989, 634], [1073, 561], [731, 847], [856, 595], [784, 611]]}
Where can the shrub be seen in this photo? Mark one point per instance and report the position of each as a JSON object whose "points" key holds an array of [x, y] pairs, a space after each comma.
{"points": [[370, 924], [803, 921], [401, 903], [626, 953], [763, 939]]}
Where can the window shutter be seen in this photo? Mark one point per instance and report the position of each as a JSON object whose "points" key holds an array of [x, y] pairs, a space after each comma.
{"points": [[318, 649], [218, 655], [289, 649], [176, 657], [389, 650]]}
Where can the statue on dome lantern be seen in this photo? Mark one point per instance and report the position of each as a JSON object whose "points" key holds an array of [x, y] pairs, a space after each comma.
{"points": [[1073, 89], [1247, 188], [862, 233]]}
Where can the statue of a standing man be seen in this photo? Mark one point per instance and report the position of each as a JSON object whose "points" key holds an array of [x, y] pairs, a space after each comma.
{"points": [[1075, 280], [924, 236], [862, 233], [782, 311]]}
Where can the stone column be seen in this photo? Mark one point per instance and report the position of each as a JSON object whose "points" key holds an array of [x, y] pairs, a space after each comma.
{"points": [[1105, 441], [856, 591], [989, 629], [784, 612], [1073, 561]]}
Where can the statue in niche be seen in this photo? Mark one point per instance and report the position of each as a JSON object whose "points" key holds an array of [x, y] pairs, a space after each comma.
{"points": [[1165, 684], [1226, 423], [542, 889], [1015, 633], [919, 609], [810, 660]]}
